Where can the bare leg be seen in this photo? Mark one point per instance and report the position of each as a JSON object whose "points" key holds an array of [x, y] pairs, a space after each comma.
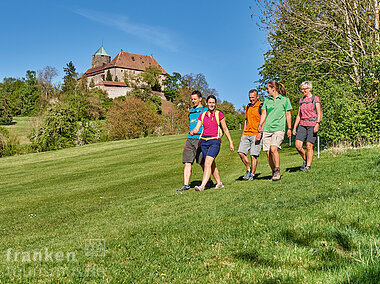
{"points": [[310, 153], [275, 156], [215, 173], [299, 147], [270, 160], [253, 164], [187, 174], [207, 170], [245, 160]]}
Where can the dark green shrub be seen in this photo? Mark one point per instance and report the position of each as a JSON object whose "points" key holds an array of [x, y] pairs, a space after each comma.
{"points": [[346, 117], [9, 143], [234, 121], [56, 129], [5, 112]]}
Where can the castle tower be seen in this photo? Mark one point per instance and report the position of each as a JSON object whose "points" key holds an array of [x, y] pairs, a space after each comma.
{"points": [[100, 58]]}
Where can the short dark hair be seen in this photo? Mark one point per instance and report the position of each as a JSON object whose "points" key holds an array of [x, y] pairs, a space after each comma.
{"points": [[211, 97], [253, 91], [198, 93]]}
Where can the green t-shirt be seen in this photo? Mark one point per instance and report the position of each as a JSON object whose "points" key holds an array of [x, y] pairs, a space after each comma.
{"points": [[276, 110]]}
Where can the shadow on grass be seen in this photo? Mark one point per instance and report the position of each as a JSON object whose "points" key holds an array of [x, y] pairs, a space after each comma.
{"points": [[195, 183], [10, 123], [265, 177], [300, 237], [292, 170], [370, 274], [241, 177]]}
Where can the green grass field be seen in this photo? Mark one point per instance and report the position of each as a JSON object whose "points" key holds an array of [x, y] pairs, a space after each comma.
{"points": [[109, 212], [21, 127]]}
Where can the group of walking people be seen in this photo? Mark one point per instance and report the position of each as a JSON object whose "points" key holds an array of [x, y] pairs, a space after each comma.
{"points": [[264, 128]]}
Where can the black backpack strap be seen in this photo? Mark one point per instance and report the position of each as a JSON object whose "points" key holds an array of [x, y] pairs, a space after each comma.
{"points": [[260, 108], [301, 102], [313, 101]]}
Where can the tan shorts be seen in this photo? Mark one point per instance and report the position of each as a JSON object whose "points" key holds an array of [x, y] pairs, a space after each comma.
{"points": [[272, 139]]}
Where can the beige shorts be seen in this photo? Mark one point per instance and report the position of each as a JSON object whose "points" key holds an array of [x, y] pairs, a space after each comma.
{"points": [[272, 139]]}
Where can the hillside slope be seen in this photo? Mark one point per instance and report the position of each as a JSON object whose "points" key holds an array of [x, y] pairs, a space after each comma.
{"points": [[109, 212]]}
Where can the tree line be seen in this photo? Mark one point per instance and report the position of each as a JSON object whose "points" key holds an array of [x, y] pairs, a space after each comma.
{"points": [[335, 44], [76, 113]]}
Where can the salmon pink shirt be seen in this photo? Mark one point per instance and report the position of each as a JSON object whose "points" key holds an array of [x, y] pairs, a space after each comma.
{"points": [[307, 111]]}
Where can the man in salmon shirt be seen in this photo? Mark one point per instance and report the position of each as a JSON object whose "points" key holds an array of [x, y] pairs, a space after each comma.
{"points": [[251, 138], [308, 117]]}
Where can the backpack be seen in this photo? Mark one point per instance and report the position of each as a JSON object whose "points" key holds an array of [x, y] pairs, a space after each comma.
{"points": [[220, 132], [314, 107], [259, 110]]}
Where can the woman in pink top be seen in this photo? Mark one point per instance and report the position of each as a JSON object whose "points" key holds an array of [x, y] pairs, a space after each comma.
{"points": [[210, 140], [308, 118]]}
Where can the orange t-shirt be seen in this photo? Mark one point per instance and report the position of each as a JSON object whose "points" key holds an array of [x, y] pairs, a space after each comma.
{"points": [[252, 117]]}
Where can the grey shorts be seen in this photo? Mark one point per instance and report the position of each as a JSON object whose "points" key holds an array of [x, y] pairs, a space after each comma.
{"points": [[248, 142], [192, 151], [273, 139], [306, 133]]}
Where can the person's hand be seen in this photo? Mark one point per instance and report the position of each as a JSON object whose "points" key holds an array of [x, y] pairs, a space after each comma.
{"points": [[258, 136], [260, 128], [232, 147], [191, 132], [316, 128], [294, 132], [289, 133]]}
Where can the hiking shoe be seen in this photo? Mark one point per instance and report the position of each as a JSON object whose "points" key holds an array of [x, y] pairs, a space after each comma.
{"points": [[210, 184], [252, 177], [218, 186], [302, 168], [199, 188], [247, 175], [305, 169], [183, 188], [276, 175]]}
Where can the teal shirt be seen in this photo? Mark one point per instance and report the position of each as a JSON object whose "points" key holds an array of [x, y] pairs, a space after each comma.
{"points": [[276, 109], [193, 117]]}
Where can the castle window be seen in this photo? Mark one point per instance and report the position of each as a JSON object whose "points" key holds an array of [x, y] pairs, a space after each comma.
{"points": [[133, 58]]}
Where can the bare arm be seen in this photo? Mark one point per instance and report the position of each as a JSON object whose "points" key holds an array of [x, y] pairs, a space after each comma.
{"points": [[298, 119], [262, 120], [227, 132], [245, 125], [319, 116], [196, 128], [289, 122]]}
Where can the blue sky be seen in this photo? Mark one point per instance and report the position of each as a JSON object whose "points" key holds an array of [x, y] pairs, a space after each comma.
{"points": [[216, 38]]}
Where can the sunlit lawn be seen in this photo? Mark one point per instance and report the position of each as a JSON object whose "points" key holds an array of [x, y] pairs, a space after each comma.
{"points": [[109, 212]]}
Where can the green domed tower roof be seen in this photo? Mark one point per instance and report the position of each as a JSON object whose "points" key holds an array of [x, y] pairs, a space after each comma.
{"points": [[101, 51]]}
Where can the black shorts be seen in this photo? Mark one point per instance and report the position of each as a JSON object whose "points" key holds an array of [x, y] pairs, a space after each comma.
{"points": [[192, 151], [306, 132]]}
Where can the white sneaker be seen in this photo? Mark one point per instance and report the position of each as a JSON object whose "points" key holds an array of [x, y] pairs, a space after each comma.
{"points": [[221, 185]]}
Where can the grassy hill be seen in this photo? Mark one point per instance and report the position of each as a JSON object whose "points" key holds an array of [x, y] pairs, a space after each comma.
{"points": [[109, 212]]}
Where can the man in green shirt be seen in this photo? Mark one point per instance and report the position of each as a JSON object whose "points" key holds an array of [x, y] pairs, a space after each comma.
{"points": [[275, 112]]}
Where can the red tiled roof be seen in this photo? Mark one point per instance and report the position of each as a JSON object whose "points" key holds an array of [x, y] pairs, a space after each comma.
{"points": [[129, 61], [111, 83], [134, 61], [94, 70]]}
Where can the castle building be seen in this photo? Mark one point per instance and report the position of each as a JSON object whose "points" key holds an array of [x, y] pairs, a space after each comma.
{"points": [[124, 65]]}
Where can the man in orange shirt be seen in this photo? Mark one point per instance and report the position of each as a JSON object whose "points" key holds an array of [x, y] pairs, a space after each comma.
{"points": [[251, 138]]}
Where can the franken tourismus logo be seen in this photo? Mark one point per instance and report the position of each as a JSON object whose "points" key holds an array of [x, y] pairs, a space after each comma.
{"points": [[95, 247]]}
